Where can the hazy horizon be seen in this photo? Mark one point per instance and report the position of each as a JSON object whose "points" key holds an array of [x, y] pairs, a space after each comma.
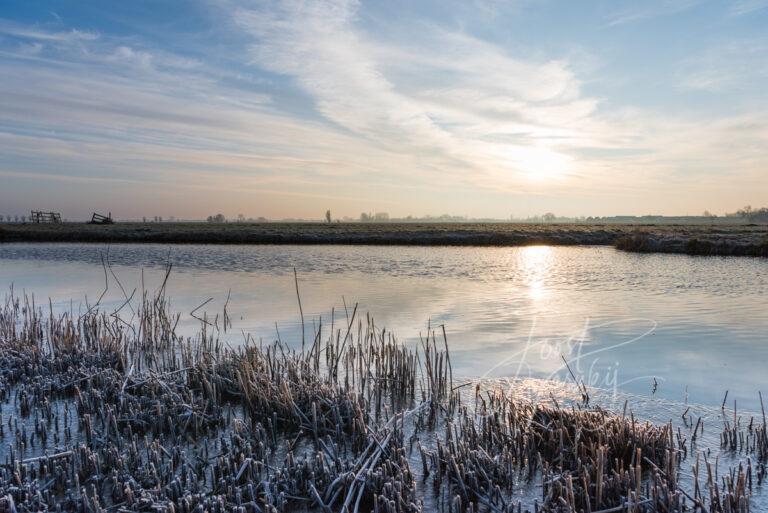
{"points": [[374, 217], [485, 109]]}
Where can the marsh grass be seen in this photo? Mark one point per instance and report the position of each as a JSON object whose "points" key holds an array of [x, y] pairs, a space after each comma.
{"points": [[114, 411]]}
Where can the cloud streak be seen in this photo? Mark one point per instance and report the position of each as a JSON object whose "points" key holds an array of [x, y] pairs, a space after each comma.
{"points": [[36, 34], [460, 103], [742, 7], [644, 11]]}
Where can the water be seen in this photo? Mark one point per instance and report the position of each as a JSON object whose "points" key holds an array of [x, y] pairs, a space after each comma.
{"points": [[664, 327]]}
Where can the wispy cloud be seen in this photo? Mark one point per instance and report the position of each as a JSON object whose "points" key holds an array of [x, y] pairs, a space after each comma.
{"points": [[37, 34], [98, 114], [641, 11], [734, 65], [742, 7], [460, 103]]}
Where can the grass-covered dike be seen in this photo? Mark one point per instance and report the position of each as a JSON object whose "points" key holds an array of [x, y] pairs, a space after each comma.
{"points": [[729, 240]]}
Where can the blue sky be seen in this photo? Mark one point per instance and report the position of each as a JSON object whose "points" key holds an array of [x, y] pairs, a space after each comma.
{"points": [[284, 109]]}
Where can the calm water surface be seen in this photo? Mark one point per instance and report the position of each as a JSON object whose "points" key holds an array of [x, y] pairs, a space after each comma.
{"points": [[664, 326]]}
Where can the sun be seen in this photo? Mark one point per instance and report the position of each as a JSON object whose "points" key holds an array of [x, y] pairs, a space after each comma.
{"points": [[539, 163]]}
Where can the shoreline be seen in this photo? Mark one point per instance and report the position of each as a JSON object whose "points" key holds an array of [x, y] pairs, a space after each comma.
{"points": [[710, 239]]}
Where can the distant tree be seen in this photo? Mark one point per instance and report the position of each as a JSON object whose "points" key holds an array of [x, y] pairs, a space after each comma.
{"points": [[328, 216], [381, 216], [548, 217], [15, 219], [1, 219], [759, 214], [751, 214], [143, 219], [218, 218], [240, 218], [364, 218]]}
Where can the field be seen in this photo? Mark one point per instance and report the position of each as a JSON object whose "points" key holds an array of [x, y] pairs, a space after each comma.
{"points": [[736, 239]]}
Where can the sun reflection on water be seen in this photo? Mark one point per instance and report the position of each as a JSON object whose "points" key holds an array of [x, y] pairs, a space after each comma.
{"points": [[535, 263]]}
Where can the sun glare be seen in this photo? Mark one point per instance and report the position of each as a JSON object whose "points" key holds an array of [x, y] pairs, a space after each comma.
{"points": [[538, 163], [535, 262]]}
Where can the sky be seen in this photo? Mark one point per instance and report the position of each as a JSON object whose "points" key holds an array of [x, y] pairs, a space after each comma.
{"points": [[285, 109]]}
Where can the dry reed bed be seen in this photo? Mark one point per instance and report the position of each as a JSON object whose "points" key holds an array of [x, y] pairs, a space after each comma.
{"points": [[116, 412]]}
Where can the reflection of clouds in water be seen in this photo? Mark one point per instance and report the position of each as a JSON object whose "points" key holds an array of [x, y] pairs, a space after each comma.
{"points": [[708, 336]]}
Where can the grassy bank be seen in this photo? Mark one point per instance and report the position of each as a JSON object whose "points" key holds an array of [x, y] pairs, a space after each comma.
{"points": [[754, 246], [737, 239]]}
